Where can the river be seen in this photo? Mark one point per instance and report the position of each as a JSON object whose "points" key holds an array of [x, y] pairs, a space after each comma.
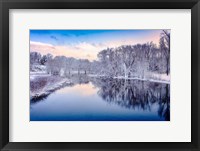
{"points": [[105, 99]]}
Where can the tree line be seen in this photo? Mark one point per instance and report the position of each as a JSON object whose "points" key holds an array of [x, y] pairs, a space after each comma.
{"points": [[127, 60]]}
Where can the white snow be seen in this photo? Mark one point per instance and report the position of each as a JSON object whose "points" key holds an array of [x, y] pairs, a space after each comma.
{"points": [[94, 75], [144, 79], [34, 75], [37, 68], [159, 78], [49, 88]]}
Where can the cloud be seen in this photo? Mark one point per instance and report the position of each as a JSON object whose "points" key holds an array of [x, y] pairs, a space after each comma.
{"points": [[42, 48], [80, 51], [85, 50], [40, 44], [155, 39]]}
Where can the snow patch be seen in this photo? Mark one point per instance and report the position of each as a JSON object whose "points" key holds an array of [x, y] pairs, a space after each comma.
{"points": [[42, 86], [159, 78]]}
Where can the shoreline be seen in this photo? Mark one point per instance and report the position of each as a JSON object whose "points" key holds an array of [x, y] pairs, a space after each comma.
{"points": [[134, 78], [59, 82], [48, 89]]}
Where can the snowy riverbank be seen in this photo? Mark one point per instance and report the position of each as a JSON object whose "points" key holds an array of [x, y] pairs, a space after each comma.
{"points": [[159, 78], [41, 85], [144, 79]]}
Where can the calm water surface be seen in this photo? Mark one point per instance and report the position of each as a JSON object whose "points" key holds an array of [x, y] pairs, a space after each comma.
{"points": [[98, 99]]}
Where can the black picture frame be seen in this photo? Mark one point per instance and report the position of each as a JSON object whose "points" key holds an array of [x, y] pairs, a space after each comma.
{"points": [[5, 5]]}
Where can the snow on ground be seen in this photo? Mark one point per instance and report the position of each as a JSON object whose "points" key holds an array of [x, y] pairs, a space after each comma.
{"points": [[34, 75], [94, 75], [37, 68], [153, 77], [145, 79], [151, 80], [159, 78], [42, 85]]}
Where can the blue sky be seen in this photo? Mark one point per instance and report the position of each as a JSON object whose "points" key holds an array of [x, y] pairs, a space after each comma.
{"points": [[86, 42]]}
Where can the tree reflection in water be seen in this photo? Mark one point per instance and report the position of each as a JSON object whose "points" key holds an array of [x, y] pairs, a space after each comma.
{"points": [[129, 99], [135, 94]]}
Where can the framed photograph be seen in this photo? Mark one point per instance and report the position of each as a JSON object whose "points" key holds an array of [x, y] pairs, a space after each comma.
{"points": [[99, 75]]}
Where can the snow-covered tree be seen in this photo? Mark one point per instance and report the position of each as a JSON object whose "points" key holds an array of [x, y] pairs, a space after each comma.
{"points": [[85, 65], [126, 61], [165, 48], [43, 60], [35, 57]]}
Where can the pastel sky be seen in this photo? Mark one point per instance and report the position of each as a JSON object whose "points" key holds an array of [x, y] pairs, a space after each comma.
{"points": [[85, 44]]}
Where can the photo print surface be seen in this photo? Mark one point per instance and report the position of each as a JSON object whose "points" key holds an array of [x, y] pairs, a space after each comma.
{"points": [[100, 75]]}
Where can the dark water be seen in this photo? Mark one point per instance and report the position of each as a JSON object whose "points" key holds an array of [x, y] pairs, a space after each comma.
{"points": [[98, 99]]}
